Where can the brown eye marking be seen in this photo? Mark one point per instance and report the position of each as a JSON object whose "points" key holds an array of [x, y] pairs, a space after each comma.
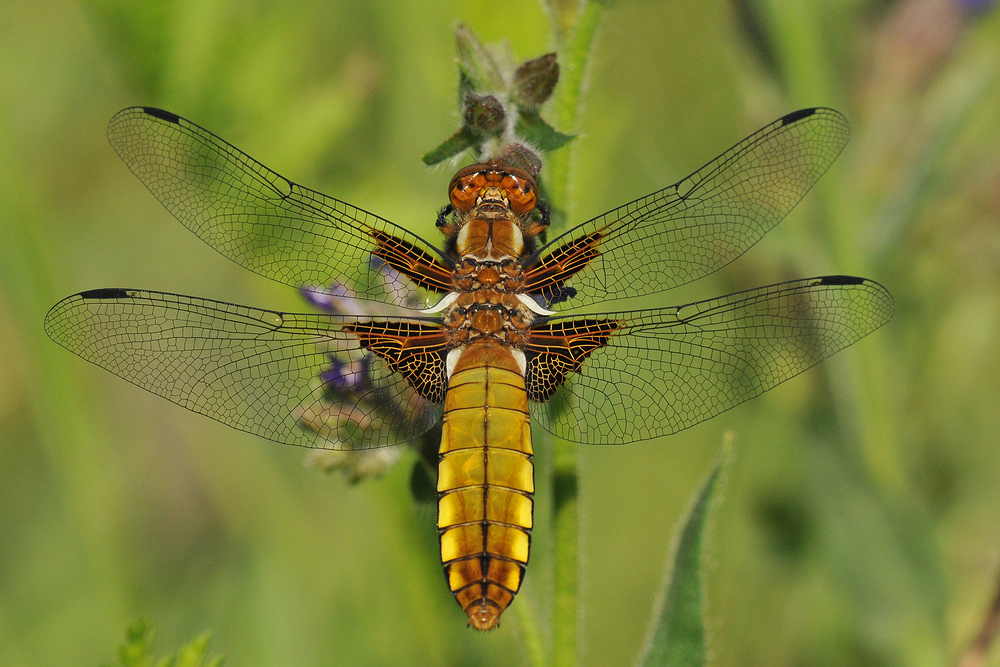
{"points": [[465, 186], [522, 192]]}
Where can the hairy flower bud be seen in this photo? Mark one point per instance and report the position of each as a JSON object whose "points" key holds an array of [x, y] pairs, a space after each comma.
{"points": [[535, 80], [484, 113], [518, 155]]}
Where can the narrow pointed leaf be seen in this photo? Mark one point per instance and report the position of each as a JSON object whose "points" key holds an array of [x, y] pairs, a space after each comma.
{"points": [[677, 634], [477, 60], [466, 86], [451, 147], [540, 134]]}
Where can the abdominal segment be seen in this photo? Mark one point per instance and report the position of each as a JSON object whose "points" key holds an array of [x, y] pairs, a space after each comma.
{"points": [[485, 482]]}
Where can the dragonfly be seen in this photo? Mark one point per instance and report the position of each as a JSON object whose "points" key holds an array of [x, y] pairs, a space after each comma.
{"points": [[506, 341]]}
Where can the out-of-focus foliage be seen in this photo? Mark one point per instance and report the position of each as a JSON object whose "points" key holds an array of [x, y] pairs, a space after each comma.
{"points": [[859, 524], [136, 651]]}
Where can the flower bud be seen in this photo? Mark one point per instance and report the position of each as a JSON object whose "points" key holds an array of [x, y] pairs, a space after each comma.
{"points": [[484, 113], [519, 155], [535, 80]]}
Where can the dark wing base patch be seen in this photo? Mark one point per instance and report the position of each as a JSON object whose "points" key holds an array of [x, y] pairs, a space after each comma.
{"points": [[552, 271], [414, 263], [560, 348], [415, 351], [667, 369], [298, 379]]}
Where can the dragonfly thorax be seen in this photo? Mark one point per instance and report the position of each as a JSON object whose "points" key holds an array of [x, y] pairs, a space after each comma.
{"points": [[490, 240]]}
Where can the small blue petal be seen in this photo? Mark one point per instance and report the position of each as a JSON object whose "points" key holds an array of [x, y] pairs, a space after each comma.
{"points": [[346, 376], [976, 6], [338, 376], [324, 298]]}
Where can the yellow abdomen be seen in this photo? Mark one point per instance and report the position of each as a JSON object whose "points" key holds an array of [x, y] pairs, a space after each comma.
{"points": [[485, 482]]}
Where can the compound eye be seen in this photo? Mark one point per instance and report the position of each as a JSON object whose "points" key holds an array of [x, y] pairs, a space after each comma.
{"points": [[465, 187], [521, 192]]}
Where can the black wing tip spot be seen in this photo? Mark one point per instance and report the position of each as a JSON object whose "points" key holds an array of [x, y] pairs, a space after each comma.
{"points": [[842, 280], [796, 116], [162, 115], [105, 293]]}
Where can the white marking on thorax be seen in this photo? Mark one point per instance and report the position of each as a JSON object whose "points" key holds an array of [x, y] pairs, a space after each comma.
{"points": [[452, 359], [517, 237], [446, 301], [533, 306], [463, 236], [521, 360]]}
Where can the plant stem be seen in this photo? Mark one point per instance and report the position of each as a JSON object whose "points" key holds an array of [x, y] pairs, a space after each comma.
{"points": [[527, 621], [574, 55], [573, 58], [565, 528]]}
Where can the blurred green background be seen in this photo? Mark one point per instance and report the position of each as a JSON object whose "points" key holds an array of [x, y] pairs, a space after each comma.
{"points": [[860, 523]]}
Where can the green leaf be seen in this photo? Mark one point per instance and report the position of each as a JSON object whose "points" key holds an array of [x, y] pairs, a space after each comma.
{"points": [[477, 61], [193, 655], [135, 652], [466, 86], [537, 132], [451, 147], [677, 631]]}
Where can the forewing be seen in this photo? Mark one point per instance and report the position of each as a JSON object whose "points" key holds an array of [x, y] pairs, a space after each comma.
{"points": [[298, 379], [649, 373], [697, 226], [262, 220]]}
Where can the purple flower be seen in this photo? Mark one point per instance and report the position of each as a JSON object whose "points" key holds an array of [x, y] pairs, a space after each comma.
{"points": [[975, 7], [325, 298], [346, 376]]}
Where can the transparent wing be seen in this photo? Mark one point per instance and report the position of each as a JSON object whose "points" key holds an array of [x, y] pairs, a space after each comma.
{"points": [[661, 371], [256, 217], [702, 223], [295, 379]]}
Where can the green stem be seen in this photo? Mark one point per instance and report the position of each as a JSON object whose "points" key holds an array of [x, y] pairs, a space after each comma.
{"points": [[574, 55], [573, 58], [565, 528], [527, 621]]}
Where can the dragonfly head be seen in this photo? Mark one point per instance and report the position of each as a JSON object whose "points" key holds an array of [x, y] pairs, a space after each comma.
{"points": [[493, 184]]}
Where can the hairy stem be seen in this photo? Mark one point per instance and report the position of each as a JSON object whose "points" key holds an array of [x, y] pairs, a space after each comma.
{"points": [[574, 55]]}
